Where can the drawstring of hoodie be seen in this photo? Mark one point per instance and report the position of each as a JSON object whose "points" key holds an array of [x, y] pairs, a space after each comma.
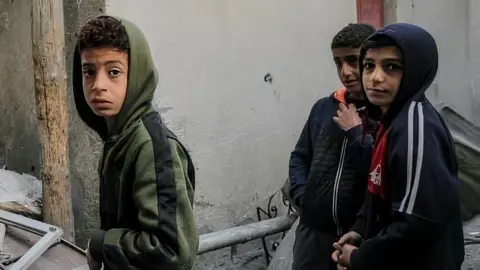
{"points": [[365, 127]]}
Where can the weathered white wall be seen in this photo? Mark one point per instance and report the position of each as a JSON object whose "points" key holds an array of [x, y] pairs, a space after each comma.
{"points": [[456, 28], [212, 57]]}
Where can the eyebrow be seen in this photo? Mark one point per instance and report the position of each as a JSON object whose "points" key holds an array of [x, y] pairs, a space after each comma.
{"points": [[391, 59], [346, 56], [89, 64]]}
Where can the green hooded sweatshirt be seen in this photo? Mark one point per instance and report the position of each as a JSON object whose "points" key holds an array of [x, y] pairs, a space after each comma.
{"points": [[147, 177]]}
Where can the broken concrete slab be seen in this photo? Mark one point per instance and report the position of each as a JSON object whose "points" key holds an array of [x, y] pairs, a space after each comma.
{"points": [[20, 193]]}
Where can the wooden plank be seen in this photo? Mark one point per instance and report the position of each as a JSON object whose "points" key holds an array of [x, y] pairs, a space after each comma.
{"points": [[30, 211], [48, 45]]}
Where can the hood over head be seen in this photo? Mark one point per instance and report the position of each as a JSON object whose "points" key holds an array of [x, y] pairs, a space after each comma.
{"points": [[142, 82], [420, 60]]}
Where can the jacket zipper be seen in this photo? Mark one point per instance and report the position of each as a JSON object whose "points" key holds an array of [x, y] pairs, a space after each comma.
{"points": [[102, 191], [337, 186]]}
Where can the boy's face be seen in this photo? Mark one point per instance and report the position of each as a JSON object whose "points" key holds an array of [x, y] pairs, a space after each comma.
{"points": [[382, 75], [346, 60], [105, 78]]}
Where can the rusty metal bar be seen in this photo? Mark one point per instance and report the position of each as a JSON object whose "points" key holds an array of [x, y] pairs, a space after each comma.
{"points": [[245, 233]]}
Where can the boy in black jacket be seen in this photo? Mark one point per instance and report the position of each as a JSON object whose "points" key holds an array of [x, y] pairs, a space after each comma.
{"points": [[327, 159], [411, 217]]}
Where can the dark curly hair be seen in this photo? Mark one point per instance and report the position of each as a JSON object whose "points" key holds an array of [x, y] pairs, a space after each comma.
{"points": [[103, 31], [352, 35]]}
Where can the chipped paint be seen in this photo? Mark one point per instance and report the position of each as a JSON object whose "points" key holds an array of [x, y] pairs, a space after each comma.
{"points": [[4, 21]]}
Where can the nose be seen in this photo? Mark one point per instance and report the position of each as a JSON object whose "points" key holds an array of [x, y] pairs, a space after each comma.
{"points": [[378, 75], [347, 70], [100, 82]]}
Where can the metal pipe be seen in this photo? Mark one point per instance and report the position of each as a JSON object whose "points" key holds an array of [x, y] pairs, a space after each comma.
{"points": [[245, 233], [51, 235], [3, 230], [465, 142]]}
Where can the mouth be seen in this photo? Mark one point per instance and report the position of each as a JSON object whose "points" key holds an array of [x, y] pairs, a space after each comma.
{"points": [[350, 83], [100, 103], [375, 91], [99, 100]]}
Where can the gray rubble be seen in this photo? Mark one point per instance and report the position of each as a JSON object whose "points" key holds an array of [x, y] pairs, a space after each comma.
{"points": [[23, 189]]}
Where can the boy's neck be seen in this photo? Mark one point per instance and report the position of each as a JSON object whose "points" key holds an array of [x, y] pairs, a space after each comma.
{"points": [[110, 124], [355, 96]]}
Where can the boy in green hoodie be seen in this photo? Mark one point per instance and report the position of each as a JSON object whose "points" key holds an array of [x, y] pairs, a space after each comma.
{"points": [[147, 176]]}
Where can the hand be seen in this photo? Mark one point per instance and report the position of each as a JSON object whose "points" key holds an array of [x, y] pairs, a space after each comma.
{"points": [[336, 259], [345, 252], [92, 264], [347, 117], [336, 256], [352, 238]]}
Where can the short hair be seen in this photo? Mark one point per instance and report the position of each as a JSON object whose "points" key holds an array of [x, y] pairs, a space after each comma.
{"points": [[101, 32], [352, 36]]}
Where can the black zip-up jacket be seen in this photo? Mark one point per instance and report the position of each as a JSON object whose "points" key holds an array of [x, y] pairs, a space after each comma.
{"points": [[327, 180], [411, 218]]}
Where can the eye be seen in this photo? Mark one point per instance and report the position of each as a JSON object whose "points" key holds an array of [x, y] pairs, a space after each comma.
{"points": [[368, 66], [393, 67], [338, 63], [114, 72], [352, 60], [88, 72]]}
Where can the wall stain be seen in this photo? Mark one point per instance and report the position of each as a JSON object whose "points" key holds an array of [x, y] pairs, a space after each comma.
{"points": [[4, 22], [203, 204], [268, 78]]}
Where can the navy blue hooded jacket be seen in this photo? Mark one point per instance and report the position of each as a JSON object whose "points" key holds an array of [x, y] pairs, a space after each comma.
{"points": [[411, 217], [328, 168]]}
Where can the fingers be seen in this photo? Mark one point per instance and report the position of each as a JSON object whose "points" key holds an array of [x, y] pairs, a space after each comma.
{"points": [[348, 111], [336, 256], [337, 246], [339, 113], [345, 238], [342, 107]]}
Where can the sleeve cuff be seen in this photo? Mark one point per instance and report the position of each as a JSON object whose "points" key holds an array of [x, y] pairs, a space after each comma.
{"points": [[356, 261], [359, 227], [96, 245], [355, 133]]}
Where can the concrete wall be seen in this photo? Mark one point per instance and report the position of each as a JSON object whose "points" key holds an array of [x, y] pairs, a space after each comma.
{"points": [[212, 57], [456, 28], [19, 144], [19, 147]]}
